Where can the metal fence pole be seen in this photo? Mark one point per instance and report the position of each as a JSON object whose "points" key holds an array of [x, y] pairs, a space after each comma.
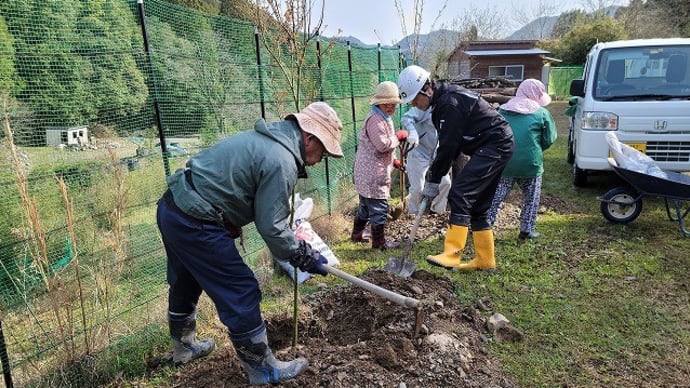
{"points": [[326, 165], [260, 72], [5, 360], [378, 58], [352, 93], [159, 122]]}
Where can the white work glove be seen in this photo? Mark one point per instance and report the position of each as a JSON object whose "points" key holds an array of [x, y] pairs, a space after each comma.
{"points": [[412, 139]]}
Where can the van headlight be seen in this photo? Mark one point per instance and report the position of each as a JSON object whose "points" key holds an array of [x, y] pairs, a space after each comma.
{"points": [[604, 121]]}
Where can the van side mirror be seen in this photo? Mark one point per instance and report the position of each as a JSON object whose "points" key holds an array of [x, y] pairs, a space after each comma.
{"points": [[577, 87]]}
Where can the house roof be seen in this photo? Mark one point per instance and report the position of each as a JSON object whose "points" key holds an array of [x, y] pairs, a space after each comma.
{"points": [[482, 53]]}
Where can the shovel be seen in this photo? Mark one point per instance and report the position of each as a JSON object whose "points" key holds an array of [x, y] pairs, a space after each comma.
{"points": [[401, 266], [402, 300]]}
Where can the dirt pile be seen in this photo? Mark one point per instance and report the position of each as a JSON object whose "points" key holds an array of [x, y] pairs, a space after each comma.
{"points": [[354, 338]]}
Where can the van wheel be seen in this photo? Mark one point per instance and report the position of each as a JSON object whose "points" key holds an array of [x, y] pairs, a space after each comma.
{"points": [[579, 176]]}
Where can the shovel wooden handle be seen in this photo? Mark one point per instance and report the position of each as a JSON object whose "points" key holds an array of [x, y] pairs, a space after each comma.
{"points": [[390, 295]]}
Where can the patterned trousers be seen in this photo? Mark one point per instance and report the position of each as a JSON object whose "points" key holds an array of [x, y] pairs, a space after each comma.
{"points": [[531, 194]]}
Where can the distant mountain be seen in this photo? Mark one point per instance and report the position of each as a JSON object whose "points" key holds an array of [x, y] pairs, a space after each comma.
{"points": [[353, 41], [540, 28], [537, 29], [429, 44], [445, 41]]}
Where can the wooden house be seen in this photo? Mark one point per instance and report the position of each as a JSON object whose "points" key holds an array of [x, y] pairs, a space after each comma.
{"points": [[512, 59]]}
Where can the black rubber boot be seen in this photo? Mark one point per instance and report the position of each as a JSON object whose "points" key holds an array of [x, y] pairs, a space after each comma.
{"points": [[358, 230], [258, 361], [378, 238], [183, 334]]}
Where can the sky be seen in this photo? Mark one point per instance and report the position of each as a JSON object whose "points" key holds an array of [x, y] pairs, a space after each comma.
{"points": [[377, 21]]}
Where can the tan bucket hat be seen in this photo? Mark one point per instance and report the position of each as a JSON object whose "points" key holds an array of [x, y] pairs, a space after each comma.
{"points": [[386, 93], [320, 120]]}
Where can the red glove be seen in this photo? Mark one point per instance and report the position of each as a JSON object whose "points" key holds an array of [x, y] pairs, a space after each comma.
{"points": [[401, 135]]}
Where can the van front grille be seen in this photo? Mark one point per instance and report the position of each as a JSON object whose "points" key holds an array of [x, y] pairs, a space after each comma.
{"points": [[669, 151]]}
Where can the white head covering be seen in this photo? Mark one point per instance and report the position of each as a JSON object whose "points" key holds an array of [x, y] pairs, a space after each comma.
{"points": [[530, 96]]}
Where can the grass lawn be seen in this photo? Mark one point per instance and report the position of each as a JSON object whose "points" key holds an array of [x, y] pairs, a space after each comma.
{"points": [[600, 304]]}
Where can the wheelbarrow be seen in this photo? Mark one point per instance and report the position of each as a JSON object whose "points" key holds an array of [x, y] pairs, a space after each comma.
{"points": [[622, 205]]}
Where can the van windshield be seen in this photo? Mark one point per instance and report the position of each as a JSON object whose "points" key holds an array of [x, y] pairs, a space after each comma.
{"points": [[660, 72]]}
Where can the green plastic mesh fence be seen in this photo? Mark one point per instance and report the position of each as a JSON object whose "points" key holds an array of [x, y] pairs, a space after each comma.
{"points": [[560, 78], [89, 98]]}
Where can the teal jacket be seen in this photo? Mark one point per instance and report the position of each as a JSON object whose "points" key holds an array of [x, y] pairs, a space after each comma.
{"points": [[534, 133], [247, 177]]}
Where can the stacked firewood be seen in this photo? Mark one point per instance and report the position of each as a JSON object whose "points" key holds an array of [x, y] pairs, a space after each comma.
{"points": [[494, 90]]}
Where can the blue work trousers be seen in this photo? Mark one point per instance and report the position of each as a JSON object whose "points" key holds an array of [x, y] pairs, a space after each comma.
{"points": [[202, 256], [374, 210]]}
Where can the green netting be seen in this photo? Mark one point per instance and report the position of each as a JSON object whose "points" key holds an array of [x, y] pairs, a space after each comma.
{"points": [[84, 107], [560, 78]]}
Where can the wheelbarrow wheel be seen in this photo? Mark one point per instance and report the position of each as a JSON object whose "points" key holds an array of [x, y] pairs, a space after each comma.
{"points": [[620, 205]]}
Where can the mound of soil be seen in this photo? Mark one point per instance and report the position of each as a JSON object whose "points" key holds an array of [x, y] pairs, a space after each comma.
{"points": [[354, 338]]}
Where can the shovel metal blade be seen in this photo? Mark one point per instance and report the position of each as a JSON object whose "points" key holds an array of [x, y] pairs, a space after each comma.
{"points": [[401, 267]]}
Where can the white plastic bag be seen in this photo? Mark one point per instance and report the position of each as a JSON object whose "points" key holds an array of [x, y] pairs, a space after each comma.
{"points": [[631, 159], [303, 231], [303, 209]]}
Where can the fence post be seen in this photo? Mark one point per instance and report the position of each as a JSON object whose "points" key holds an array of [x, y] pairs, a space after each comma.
{"points": [[5, 360], [352, 93], [378, 58], [159, 122], [260, 73], [326, 166]]}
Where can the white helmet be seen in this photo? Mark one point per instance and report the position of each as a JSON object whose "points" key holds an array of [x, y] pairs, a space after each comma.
{"points": [[410, 82]]}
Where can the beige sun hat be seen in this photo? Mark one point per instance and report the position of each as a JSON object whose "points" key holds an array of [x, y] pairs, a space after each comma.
{"points": [[320, 120], [386, 93]]}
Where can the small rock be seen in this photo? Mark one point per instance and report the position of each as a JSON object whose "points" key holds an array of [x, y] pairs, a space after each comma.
{"points": [[416, 290], [508, 333], [441, 341], [484, 303], [495, 321]]}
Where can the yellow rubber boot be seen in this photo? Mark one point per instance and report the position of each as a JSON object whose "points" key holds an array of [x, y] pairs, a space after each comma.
{"points": [[456, 237], [484, 252]]}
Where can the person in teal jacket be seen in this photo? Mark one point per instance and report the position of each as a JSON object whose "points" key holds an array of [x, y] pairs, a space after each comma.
{"points": [[247, 177], [535, 131]]}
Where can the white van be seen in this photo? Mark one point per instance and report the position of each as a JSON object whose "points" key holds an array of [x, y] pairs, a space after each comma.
{"points": [[641, 90]]}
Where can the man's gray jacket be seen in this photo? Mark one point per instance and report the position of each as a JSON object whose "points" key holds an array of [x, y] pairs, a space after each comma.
{"points": [[247, 177]]}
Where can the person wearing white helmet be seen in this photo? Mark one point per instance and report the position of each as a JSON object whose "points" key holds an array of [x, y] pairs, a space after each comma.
{"points": [[466, 124], [422, 137]]}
